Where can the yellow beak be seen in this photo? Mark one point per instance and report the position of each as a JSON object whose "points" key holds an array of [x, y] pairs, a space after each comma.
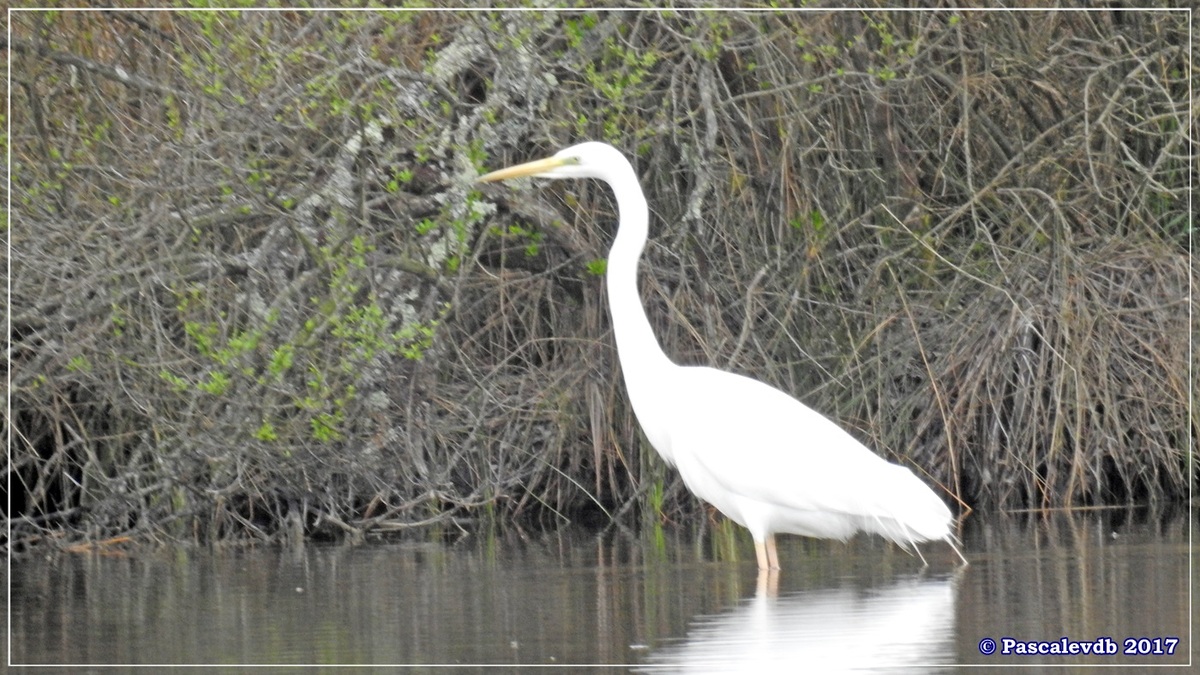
{"points": [[527, 169]]}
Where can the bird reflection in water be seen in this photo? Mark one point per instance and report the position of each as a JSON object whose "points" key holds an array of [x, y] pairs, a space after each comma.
{"points": [[906, 624]]}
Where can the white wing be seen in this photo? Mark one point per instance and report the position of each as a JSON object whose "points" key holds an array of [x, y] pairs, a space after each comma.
{"points": [[775, 465]]}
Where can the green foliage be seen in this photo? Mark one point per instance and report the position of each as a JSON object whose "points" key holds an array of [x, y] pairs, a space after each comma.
{"points": [[178, 384], [815, 220], [415, 338], [620, 76], [117, 320], [711, 35], [216, 384], [346, 332], [282, 359], [361, 333], [576, 28], [654, 498], [532, 238], [477, 155], [80, 364], [401, 177], [597, 267], [326, 404], [266, 432]]}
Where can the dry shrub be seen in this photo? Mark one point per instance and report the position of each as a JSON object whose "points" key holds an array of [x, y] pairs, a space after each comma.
{"points": [[255, 291], [1048, 389]]}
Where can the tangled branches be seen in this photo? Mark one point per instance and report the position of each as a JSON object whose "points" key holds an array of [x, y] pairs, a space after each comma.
{"points": [[256, 294]]}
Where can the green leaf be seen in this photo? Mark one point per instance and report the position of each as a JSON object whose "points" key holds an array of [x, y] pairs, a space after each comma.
{"points": [[597, 267], [266, 432]]}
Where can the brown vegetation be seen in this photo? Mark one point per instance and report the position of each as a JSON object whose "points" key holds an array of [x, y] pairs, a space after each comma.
{"points": [[255, 291]]}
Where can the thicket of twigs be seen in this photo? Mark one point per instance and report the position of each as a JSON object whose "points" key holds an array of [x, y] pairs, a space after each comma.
{"points": [[256, 293]]}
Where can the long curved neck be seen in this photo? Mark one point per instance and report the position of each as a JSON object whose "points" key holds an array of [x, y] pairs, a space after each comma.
{"points": [[639, 350]]}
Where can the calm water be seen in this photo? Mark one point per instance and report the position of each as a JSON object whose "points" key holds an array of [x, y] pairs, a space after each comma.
{"points": [[664, 602]]}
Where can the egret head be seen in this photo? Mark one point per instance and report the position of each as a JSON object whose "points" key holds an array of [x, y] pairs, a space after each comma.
{"points": [[585, 160]]}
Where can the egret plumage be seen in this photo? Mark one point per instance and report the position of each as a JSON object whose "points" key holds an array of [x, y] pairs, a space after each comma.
{"points": [[761, 457]]}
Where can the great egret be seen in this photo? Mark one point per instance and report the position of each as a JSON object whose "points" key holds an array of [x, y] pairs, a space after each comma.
{"points": [[760, 456]]}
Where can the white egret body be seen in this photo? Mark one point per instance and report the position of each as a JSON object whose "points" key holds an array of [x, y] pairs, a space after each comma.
{"points": [[758, 455]]}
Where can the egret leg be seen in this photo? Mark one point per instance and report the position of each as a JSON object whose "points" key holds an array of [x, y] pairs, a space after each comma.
{"points": [[760, 550], [768, 584], [768, 558], [961, 557]]}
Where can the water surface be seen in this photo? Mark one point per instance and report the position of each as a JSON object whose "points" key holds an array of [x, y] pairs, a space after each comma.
{"points": [[664, 601]]}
